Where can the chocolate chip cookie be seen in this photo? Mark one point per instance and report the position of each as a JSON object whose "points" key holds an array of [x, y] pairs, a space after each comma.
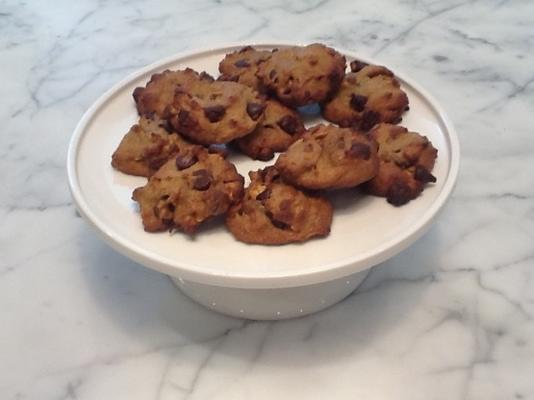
{"points": [[329, 157], [367, 97], [406, 161], [159, 91], [216, 112], [147, 146], [242, 65], [273, 212], [278, 130], [187, 190], [303, 75]]}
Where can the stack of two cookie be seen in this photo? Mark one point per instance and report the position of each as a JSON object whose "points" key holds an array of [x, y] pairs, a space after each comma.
{"points": [[281, 204]]}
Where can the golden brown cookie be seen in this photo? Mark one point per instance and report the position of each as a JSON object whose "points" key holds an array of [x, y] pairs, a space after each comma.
{"points": [[188, 190], [146, 147], [273, 212], [241, 66], [159, 91], [303, 75], [216, 112], [329, 157], [406, 162], [278, 130], [367, 97]]}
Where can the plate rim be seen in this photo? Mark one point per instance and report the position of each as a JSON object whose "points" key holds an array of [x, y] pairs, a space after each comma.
{"points": [[326, 272]]}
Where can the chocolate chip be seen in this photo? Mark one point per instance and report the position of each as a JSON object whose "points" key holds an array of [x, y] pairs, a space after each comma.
{"points": [[228, 78], [214, 113], [358, 102], [289, 124], [254, 110], [138, 91], [206, 77], [246, 48], [184, 161], [242, 63], [202, 179], [423, 175], [369, 119], [279, 224], [156, 163], [357, 65], [276, 223], [399, 193], [407, 108], [272, 74], [335, 78], [214, 149], [264, 195], [183, 117], [359, 150], [166, 125]]}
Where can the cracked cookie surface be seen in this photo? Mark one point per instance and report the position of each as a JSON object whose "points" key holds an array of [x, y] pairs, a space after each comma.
{"points": [[303, 75], [216, 112], [242, 66], [406, 162], [329, 157], [273, 212], [158, 93], [188, 190], [367, 97], [278, 130], [146, 147]]}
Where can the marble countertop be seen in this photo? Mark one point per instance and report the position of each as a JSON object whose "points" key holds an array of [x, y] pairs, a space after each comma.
{"points": [[449, 318]]}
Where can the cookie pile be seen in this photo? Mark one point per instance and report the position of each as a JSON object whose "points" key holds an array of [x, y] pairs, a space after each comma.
{"points": [[253, 107]]}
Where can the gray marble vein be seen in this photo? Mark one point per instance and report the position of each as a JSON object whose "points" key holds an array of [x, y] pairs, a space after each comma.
{"points": [[449, 318]]}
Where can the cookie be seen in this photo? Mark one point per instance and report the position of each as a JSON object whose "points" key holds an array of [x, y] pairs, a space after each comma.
{"points": [[216, 112], [273, 212], [406, 161], [303, 75], [188, 190], [278, 130], [146, 147], [241, 66], [329, 157], [367, 97], [159, 91]]}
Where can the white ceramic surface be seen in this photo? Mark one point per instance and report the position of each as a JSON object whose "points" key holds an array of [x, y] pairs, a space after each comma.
{"points": [[271, 304], [365, 230]]}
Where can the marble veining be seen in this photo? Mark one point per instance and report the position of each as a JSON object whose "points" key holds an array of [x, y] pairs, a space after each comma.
{"points": [[452, 317]]}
